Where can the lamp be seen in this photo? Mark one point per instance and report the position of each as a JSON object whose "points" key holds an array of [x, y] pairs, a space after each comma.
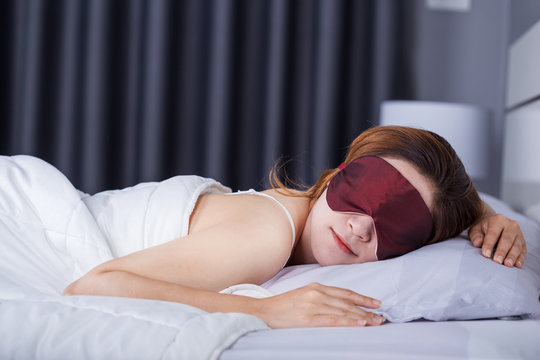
{"points": [[521, 160], [465, 127]]}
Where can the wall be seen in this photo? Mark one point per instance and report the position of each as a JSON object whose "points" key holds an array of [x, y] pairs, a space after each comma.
{"points": [[461, 57], [520, 185], [523, 14]]}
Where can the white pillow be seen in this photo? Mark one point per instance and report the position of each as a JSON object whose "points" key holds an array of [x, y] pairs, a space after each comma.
{"points": [[448, 280]]}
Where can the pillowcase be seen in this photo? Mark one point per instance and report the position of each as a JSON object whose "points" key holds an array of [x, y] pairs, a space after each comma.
{"points": [[445, 281]]}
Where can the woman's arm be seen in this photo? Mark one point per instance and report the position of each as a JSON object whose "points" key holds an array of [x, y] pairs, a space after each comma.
{"points": [[310, 306], [192, 269], [121, 283], [500, 237]]}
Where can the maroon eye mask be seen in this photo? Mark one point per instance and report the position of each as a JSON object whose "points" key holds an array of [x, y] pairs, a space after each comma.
{"points": [[370, 185]]}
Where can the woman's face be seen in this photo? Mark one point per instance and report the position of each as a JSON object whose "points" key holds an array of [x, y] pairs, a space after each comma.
{"points": [[351, 238]]}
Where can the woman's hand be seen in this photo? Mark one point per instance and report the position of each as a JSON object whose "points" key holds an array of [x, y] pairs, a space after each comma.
{"points": [[318, 305], [498, 235]]}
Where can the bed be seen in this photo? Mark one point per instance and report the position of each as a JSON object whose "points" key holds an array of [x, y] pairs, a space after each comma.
{"points": [[51, 234]]}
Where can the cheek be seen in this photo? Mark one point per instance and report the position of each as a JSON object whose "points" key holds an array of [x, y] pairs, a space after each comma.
{"points": [[317, 231], [319, 219], [372, 254], [319, 244]]}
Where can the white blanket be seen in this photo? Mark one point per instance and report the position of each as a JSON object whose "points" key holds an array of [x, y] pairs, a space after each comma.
{"points": [[51, 234]]}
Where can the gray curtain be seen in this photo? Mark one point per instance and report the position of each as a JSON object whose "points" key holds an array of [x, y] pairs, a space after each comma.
{"points": [[118, 92]]}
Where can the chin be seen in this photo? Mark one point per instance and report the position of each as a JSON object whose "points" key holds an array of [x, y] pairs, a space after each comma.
{"points": [[326, 261], [321, 260]]}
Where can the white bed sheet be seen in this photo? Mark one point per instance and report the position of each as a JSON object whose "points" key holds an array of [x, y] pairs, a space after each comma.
{"points": [[477, 339], [49, 236]]}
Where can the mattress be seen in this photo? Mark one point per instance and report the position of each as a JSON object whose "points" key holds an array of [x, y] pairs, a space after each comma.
{"points": [[475, 339]]}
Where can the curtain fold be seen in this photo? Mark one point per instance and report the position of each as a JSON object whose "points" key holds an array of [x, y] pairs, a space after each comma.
{"points": [[115, 92], [65, 127], [328, 56], [130, 91]]}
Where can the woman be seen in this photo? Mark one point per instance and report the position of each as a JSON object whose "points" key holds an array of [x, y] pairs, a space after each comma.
{"points": [[398, 189]]}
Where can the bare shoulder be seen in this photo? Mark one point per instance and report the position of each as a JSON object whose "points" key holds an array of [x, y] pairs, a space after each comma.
{"points": [[251, 211], [253, 231], [297, 206]]}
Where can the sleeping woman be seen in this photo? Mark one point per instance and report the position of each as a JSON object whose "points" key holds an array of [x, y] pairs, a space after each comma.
{"points": [[397, 190]]}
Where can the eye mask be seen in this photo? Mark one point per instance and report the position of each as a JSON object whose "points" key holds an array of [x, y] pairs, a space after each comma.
{"points": [[370, 185]]}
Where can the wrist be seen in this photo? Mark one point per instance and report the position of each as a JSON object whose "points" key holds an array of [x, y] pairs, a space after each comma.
{"points": [[256, 307], [259, 307], [242, 304]]}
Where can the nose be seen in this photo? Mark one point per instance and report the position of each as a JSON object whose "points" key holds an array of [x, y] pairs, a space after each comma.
{"points": [[361, 226]]}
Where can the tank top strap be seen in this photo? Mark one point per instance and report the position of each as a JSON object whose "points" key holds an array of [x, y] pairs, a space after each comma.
{"points": [[291, 221]]}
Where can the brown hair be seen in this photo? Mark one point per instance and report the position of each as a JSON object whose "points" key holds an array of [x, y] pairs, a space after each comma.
{"points": [[456, 204]]}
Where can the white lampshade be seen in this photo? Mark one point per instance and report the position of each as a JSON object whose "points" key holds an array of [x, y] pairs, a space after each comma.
{"points": [[465, 127], [521, 158]]}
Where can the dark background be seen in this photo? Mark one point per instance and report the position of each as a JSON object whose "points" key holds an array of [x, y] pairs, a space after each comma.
{"points": [[115, 92]]}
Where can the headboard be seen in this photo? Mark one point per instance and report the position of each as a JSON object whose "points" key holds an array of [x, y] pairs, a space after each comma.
{"points": [[521, 152]]}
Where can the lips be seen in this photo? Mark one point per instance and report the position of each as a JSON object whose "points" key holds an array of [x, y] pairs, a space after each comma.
{"points": [[342, 244]]}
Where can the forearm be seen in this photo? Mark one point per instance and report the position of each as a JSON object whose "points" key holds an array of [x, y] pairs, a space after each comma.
{"points": [[125, 284], [312, 305]]}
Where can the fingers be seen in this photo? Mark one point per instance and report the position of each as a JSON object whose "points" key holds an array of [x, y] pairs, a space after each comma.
{"points": [[521, 259], [335, 315], [511, 256], [344, 308], [501, 238], [493, 230], [514, 256], [476, 234], [357, 299], [507, 235], [344, 304], [337, 320]]}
